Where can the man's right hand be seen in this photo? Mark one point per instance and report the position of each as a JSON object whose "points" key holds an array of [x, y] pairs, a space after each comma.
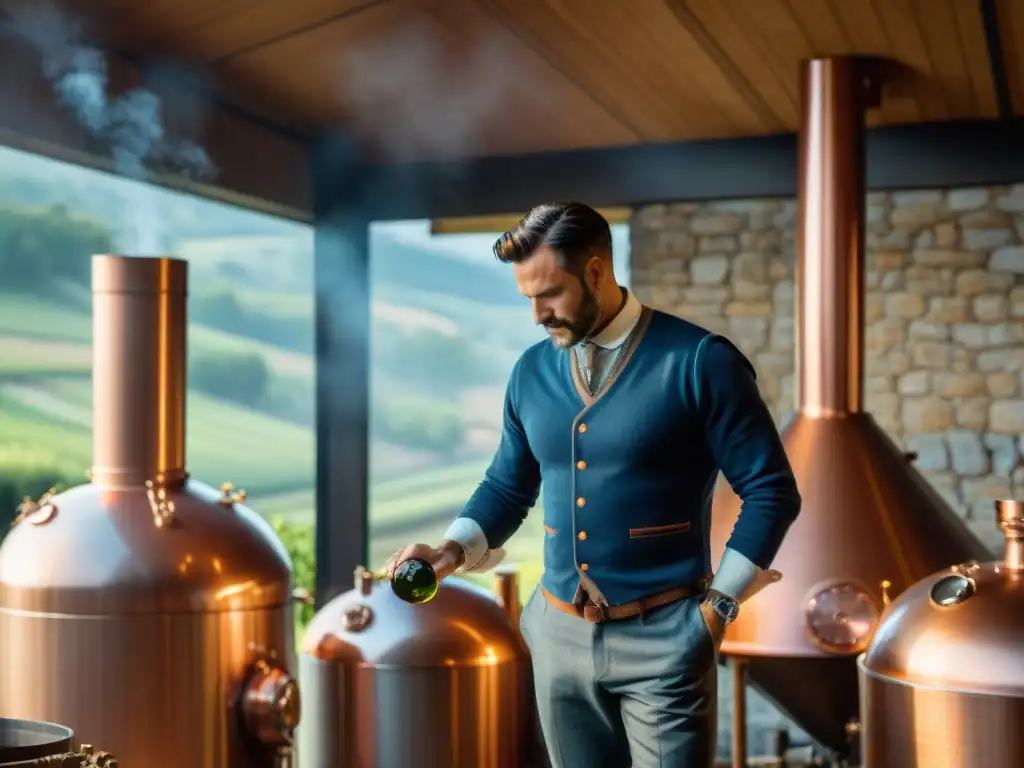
{"points": [[444, 559]]}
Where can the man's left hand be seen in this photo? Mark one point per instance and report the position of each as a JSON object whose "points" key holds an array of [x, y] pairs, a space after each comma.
{"points": [[714, 622]]}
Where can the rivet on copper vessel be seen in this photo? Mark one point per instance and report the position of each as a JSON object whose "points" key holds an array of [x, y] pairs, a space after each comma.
{"points": [[229, 496]]}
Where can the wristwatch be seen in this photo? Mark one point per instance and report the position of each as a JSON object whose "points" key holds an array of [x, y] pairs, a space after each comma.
{"points": [[726, 607]]}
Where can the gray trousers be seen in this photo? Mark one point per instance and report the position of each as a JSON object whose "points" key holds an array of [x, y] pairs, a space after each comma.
{"points": [[640, 692]]}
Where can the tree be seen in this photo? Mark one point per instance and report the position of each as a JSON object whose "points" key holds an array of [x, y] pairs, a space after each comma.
{"points": [[40, 244]]}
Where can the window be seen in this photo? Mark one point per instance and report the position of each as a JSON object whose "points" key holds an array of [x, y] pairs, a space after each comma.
{"points": [[448, 324], [251, 367]]}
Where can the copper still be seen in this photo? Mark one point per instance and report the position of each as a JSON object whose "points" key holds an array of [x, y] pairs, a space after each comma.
{"points": [[148, 612], [942, 683], [870, 526], [444, 684]]}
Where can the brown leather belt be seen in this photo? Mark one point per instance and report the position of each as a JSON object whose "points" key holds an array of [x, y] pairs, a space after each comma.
{"points": [[596, 614]]}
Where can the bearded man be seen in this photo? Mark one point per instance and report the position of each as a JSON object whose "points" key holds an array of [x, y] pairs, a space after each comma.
{"points": [[627, 416]]}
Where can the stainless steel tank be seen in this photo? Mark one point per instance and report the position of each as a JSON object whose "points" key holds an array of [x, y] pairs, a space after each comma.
{"points": [[444, 684], [942, 683], [148, 612]]}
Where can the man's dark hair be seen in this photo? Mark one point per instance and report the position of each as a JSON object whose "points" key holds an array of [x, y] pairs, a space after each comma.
{"points": [[574, 231]]}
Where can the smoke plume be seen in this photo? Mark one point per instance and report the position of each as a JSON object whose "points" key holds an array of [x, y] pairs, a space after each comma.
{"points": [[417, 96], [129, 125]]}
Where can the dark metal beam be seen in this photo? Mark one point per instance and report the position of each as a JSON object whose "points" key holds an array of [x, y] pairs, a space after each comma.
{"points": [[950, 154], [996, 57], [342, 292]]}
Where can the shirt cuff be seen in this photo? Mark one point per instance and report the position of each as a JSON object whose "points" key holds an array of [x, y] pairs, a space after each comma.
{"points": [[470, 536], [741, 579]]}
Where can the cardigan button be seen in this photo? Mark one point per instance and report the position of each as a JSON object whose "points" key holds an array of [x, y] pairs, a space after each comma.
{"points": [[581, 465], [582, 535], [584, 567], [580, 501], [582, 428]]}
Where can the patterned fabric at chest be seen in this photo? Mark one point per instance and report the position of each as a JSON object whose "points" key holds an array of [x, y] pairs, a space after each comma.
{"points": [[596, 363]]}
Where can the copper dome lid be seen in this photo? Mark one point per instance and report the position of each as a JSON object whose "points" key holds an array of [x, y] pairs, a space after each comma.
{"points": [[463, 626], [103, 551], [961, 629]]}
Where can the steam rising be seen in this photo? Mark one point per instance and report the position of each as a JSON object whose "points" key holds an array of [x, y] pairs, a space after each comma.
{"points": [[417, 95], [129, 125]]}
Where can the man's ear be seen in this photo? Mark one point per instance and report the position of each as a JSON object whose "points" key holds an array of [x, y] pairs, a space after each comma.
{"points": [[595, 273]]}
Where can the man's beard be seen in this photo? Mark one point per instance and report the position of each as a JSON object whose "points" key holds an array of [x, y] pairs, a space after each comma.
{"points": [[576, 329]]}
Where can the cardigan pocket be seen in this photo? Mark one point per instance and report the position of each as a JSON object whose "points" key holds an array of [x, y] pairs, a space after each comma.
{"points": [[658, 530]]}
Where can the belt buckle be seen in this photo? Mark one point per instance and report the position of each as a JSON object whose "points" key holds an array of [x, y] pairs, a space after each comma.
{"points": [[595, 614]]}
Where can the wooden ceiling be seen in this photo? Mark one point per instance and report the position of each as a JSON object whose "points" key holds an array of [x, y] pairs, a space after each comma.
{"points": [[432, 79]]}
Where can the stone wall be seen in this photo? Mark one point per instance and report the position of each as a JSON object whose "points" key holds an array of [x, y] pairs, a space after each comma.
{"points": [[945, 325]]}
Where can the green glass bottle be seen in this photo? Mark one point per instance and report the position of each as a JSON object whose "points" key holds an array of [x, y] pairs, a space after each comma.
{"points": [[414, 581]]}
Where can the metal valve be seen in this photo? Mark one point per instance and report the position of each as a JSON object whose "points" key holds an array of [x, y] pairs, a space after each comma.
{"points": [[271, 706], [37, 512], [161, 506], [229, 496]]}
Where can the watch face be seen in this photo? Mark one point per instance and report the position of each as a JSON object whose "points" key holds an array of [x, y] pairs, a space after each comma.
{"points": [[726, 607]]}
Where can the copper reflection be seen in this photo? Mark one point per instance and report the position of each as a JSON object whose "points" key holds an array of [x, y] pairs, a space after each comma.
{"points": [[942, 682], [506, 590], [139, 325], [830, 232], [868, 516], [135, 608], [1010, 518]]}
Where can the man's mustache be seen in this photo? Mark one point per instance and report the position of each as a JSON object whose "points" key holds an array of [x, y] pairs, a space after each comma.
{"points": [[551, 324]]}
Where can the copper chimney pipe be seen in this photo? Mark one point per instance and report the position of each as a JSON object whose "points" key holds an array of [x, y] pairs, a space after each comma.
{"points": [[870, 523], [830, 225], [138, 379]]}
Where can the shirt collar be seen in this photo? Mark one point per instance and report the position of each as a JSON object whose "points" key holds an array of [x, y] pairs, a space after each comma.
{"points": [[618, 330]]}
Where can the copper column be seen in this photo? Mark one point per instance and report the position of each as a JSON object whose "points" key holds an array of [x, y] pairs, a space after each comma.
{"points": [[138, 379], [830, 225], [506, 590]]}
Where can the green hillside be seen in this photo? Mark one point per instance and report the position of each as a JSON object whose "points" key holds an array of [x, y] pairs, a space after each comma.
{"points": [[45, 419], [50, 422]]}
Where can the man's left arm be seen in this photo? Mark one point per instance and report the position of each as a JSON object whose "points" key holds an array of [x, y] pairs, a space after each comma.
{"points": [[746, 445]]}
